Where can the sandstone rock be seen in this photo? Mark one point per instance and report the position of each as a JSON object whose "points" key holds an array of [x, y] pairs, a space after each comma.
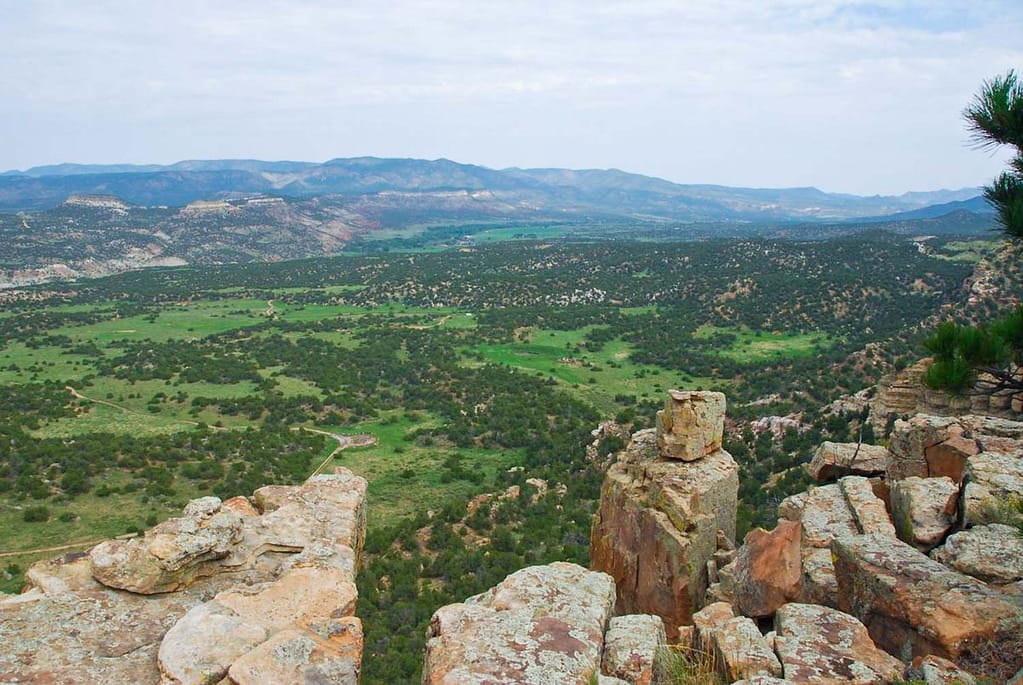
{"points": [[739, 649], [171, 555], [791, 508], [900, 393], [330, 652], [691, 424], [933, 670], [825, 515], [832, 460], [543, 624], [924, 509], [991, 477], [818, 583], [910, 441], [657, 526], [992, 553], [868, 509], [762, 680], [915, 606], [106, 635], [948, 458], [632, 648], [821, 645], [768, 571], [201, 647]]}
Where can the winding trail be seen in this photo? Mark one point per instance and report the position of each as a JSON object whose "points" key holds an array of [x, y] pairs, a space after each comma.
{"points": [[343, 443], [127, 410], [58, 548]]}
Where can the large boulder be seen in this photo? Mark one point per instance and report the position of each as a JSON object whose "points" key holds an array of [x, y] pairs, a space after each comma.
{"points": [[735, 643], [767, 571], [633, 648], [818, 644], [914, 606], [992, 478], [282, 577], [543, 624], [868, 509], [657, 527], [691, 424], [992, 553], [173, 554], [832, 460], [924, 509]]}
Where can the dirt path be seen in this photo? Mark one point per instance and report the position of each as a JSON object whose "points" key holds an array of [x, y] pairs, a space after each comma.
{"points": [[58, 548], [127, 410], [439, 322], [270, 311], [343, 443]]}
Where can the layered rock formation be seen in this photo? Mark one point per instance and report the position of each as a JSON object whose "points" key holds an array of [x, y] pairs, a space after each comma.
{"points": [[662, 506], [243, 591]]}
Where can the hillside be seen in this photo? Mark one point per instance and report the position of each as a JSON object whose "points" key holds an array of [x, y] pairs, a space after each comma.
{"points": [[244, 211]]}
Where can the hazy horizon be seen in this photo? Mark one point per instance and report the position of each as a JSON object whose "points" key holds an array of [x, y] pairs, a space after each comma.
{"points": [[854, 97]]}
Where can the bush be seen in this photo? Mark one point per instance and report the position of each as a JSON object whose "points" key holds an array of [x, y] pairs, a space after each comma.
{"points": [[36, 514]]}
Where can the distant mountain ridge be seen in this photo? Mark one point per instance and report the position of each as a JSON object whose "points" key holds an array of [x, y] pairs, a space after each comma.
{"points": [[579, 193]]}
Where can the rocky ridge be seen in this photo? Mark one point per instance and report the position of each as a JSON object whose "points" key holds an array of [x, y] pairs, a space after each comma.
{"points": [[251, 590], [889, 570]]}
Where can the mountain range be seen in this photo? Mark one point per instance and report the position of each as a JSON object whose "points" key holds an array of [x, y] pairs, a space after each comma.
{"points": [[70, 220], [589, 192]]}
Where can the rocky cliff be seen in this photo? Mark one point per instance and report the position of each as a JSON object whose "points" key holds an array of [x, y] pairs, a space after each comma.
{"points": [[668, 504], [251, 590]]}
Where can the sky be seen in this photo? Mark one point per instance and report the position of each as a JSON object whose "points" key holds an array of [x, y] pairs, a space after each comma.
{"points": [[856, 97]]}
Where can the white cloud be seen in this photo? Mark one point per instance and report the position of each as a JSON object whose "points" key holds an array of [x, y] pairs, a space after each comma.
{"points": [[852, 96]]}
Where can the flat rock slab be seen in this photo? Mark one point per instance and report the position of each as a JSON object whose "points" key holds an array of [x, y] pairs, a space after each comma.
{"points": [[739, 649], [541, 625], [992, 553], [924, 509], [833, 460], [822, 645], [915, 606]]}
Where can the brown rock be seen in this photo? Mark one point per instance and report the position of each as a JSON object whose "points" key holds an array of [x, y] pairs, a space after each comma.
{"points": [[633, 646], [991, 478], [691, 424], [924, 509], [910, 441], [656, 527], [330, 652], [933, 670], [914, 606], [106, 635], [868, 509], [832, 460], [767, 571], [543, 624], [825, 515], [992, 553], [821, 645], [948, 458], [739, 650], [171, 555]]}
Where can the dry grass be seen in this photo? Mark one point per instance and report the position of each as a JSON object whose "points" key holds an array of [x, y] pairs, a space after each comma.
{"points": [[687, 666]]}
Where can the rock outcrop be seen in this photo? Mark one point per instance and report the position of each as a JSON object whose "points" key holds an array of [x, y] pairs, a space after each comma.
{"points": [[543, 624], [924, 509], [818, 644], [658, 519], [633, 649], [832, 460], [915, 606], [767, 571], [235, 592]]}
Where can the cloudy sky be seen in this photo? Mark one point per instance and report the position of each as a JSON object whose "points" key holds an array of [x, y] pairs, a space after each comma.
{"points": [[860, 97]]}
